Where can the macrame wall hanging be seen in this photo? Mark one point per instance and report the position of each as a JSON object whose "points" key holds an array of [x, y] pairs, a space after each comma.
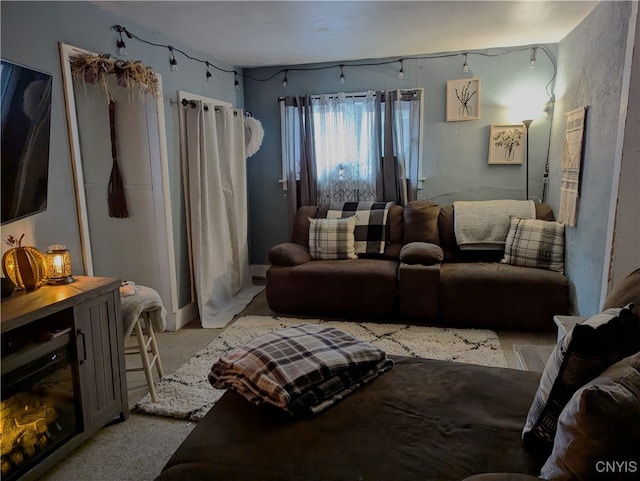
{"points": [[572, 152], [571, 162], [115, 193]]}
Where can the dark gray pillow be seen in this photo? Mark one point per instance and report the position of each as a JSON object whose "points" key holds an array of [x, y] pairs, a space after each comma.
{"points": [[584, 353], [599, 425]]}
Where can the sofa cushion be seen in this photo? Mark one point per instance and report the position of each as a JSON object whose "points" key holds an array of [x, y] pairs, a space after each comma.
{"points": [[494, 295], [421, 253], [579, 357], [339, 288], [394, 224], [599, 424], [535, 243], [300, 231], [332, 238], [289, 254], [627, 291], [371, 224], [421, 222]]}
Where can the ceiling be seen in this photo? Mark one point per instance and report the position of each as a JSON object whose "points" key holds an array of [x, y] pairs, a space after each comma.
{"points": [[267, 33]]}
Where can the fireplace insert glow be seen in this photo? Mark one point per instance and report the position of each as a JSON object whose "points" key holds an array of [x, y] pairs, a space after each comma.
{"points": [[40, 404]]}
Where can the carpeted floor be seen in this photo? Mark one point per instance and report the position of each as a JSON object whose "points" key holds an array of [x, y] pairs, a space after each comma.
{"points": [[136, 450]]}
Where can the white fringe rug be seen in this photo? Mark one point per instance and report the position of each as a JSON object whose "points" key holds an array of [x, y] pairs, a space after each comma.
{"points": [[187, 394]]}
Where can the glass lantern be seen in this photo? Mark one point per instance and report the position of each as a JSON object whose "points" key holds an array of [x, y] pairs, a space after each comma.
{"points": [[59, 265]]}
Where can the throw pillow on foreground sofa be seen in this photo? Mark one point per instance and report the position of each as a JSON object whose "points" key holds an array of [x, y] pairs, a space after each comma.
{"points": [[600, 425], [582, 355]]}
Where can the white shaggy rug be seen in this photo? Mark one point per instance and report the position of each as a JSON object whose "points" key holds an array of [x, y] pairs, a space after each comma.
{"points": [[187, 394]]}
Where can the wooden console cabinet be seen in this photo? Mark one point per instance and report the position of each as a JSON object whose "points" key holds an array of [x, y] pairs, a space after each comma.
{"points": [[89, 312]]}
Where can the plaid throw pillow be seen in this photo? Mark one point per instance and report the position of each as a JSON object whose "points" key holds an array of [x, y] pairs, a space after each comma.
{"points": [[371, 224], [332, 238], [535, 243], [585, 352]]}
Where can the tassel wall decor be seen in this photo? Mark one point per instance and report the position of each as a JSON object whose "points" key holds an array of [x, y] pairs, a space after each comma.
{"points": [[115, 193]]}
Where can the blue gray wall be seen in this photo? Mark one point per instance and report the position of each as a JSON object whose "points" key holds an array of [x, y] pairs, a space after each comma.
{"points": [[596, 47], [455, 153], [30, 35]]}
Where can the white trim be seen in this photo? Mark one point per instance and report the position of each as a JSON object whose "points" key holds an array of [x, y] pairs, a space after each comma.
{"points": [[184, 316], [76, 157], [617, 158], [210, 100]]}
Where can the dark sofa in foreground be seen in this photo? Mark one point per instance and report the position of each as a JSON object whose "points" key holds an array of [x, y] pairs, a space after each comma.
{"points": [[422, 276], [424, 419]]}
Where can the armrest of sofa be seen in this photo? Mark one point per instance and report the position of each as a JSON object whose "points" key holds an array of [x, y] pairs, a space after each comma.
{"points": [[423, 253], [289, 254]]}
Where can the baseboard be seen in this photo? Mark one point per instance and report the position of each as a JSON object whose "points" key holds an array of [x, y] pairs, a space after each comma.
{"points": [[259, 271]]}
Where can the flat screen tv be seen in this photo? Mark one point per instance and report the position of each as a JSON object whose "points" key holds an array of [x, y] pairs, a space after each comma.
{"points": [[26, 120]]}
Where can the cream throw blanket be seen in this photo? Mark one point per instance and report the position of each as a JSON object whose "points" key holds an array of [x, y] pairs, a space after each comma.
{"points": [[144, 299], [484, 225]]}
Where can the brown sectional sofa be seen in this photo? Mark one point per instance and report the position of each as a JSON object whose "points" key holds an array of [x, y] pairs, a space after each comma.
{"points": [[422, 277]]}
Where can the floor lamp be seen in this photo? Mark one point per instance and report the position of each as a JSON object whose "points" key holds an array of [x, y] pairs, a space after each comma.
{"points": [[527, 123]]}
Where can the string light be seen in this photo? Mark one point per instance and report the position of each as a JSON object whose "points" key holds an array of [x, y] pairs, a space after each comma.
{"points": [[172, 61], [120, 45], [465, 67], [209, 76], [532, 62]]}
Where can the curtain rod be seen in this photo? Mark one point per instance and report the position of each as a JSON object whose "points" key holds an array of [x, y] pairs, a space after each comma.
{"points": [[192, 104], [357, 95]]}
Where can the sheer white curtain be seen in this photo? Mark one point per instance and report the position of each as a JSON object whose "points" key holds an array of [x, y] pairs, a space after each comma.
{"points": [[344, 141], [215, 185]]}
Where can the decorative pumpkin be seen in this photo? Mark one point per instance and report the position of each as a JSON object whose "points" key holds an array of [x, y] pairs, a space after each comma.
{"points": [[24, 265]]}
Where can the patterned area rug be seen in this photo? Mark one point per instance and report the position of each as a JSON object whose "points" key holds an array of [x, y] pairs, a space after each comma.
{"points": [[187, 394]]}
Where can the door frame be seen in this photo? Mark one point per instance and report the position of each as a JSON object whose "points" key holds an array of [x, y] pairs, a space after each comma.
{"points": [[160, 171]]}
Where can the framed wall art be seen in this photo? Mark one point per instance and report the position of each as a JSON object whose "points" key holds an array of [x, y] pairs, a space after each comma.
{"points": [[506, 144], [463, 99]]}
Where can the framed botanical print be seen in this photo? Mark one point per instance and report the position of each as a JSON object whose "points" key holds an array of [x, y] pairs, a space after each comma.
{"points": [[463, 99], [506, 144]]}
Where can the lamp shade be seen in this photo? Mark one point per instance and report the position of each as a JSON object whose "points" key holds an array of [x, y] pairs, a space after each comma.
{"points": [[59, 264]]}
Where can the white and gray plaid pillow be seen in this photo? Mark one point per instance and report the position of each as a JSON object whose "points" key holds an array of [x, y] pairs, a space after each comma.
{"points": [[535, 243], [332, 238]]}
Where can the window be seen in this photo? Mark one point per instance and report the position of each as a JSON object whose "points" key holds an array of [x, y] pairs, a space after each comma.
{"points": [[340, 140]]}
